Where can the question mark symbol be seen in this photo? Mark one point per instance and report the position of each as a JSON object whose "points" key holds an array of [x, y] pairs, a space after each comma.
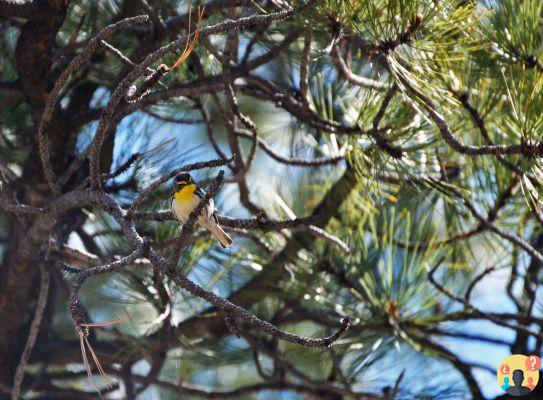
{"points": [[533, 363], [505, 369]]}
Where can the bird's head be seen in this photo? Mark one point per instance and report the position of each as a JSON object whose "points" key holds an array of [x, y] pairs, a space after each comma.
{"points": [[181, 180]]}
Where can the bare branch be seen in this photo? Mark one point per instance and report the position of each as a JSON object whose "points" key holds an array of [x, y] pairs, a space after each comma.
{"points": [[350, 76], [52, 98], [110, 206], [395, 152], [125, 60], [249, 124], [76, 309], [137, 93], [299, 162], [333, 240], [304, 64], [525, 149], [476, 280], [497, 319], [18, 208], [228, 307], [260, 223], [515, 240], [33, 334], [265, 225], [186, 390], [117, 95]]}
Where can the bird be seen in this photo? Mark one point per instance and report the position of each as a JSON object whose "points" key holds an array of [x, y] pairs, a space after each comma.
{"points": [[186, 197]]}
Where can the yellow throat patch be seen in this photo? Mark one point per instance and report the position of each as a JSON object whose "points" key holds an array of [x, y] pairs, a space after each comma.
{"points": [[186, 193]]}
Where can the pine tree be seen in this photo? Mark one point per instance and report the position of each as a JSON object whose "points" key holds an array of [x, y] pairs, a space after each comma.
{"points": [[378, 164]]}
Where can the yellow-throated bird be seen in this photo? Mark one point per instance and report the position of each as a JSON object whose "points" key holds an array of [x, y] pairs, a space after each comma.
{"points": [[186, 198]]}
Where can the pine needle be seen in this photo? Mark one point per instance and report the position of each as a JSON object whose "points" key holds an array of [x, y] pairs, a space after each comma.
{"points": [[105, 323], [82, 339], [101, 371], [84, 342], [189, 46], [158, 147]]}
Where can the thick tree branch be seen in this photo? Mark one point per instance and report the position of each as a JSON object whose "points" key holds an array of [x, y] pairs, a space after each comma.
{"points": [[52, 98], [177, 45]]}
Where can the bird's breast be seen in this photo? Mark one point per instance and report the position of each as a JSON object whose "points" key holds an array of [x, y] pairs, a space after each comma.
{"points": [[184, 202], [185, 194]]}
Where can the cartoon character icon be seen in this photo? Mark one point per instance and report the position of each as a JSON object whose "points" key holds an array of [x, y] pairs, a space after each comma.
{"points": [[518, 389], [530, 384], [506, 384]]}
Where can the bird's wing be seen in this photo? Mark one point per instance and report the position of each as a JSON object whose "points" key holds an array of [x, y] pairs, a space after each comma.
{"points": [[172, 207], [209, 209], [200, 192]]}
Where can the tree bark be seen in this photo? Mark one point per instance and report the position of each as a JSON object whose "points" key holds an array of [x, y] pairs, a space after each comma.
{"points": [[19, 272]]}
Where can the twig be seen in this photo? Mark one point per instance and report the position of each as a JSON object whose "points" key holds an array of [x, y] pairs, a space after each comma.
{"points": [[245, 120], [462, 367], [304, 64], [229, 119], [184, 121], [525, 149], [259, 31], [119, 92], [265, 225], [476, 280], [111, 207], [491, 317], [210, 135], [82, 275], [125, 60], [18, 208], [255, 239], [117, 53], [326, 386], [397, 385], [284, 98], [352, 77], [334, 240], [299, 162], [228, 307], [259, 223], [240, 392], [91, 46], [479, 122], [395, 152], [158, 23], [515, 240], [74, 256], [33, 334], [135, 93]]}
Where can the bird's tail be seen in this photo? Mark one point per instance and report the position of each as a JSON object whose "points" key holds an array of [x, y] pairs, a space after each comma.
{"points": [[221, 236]]}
